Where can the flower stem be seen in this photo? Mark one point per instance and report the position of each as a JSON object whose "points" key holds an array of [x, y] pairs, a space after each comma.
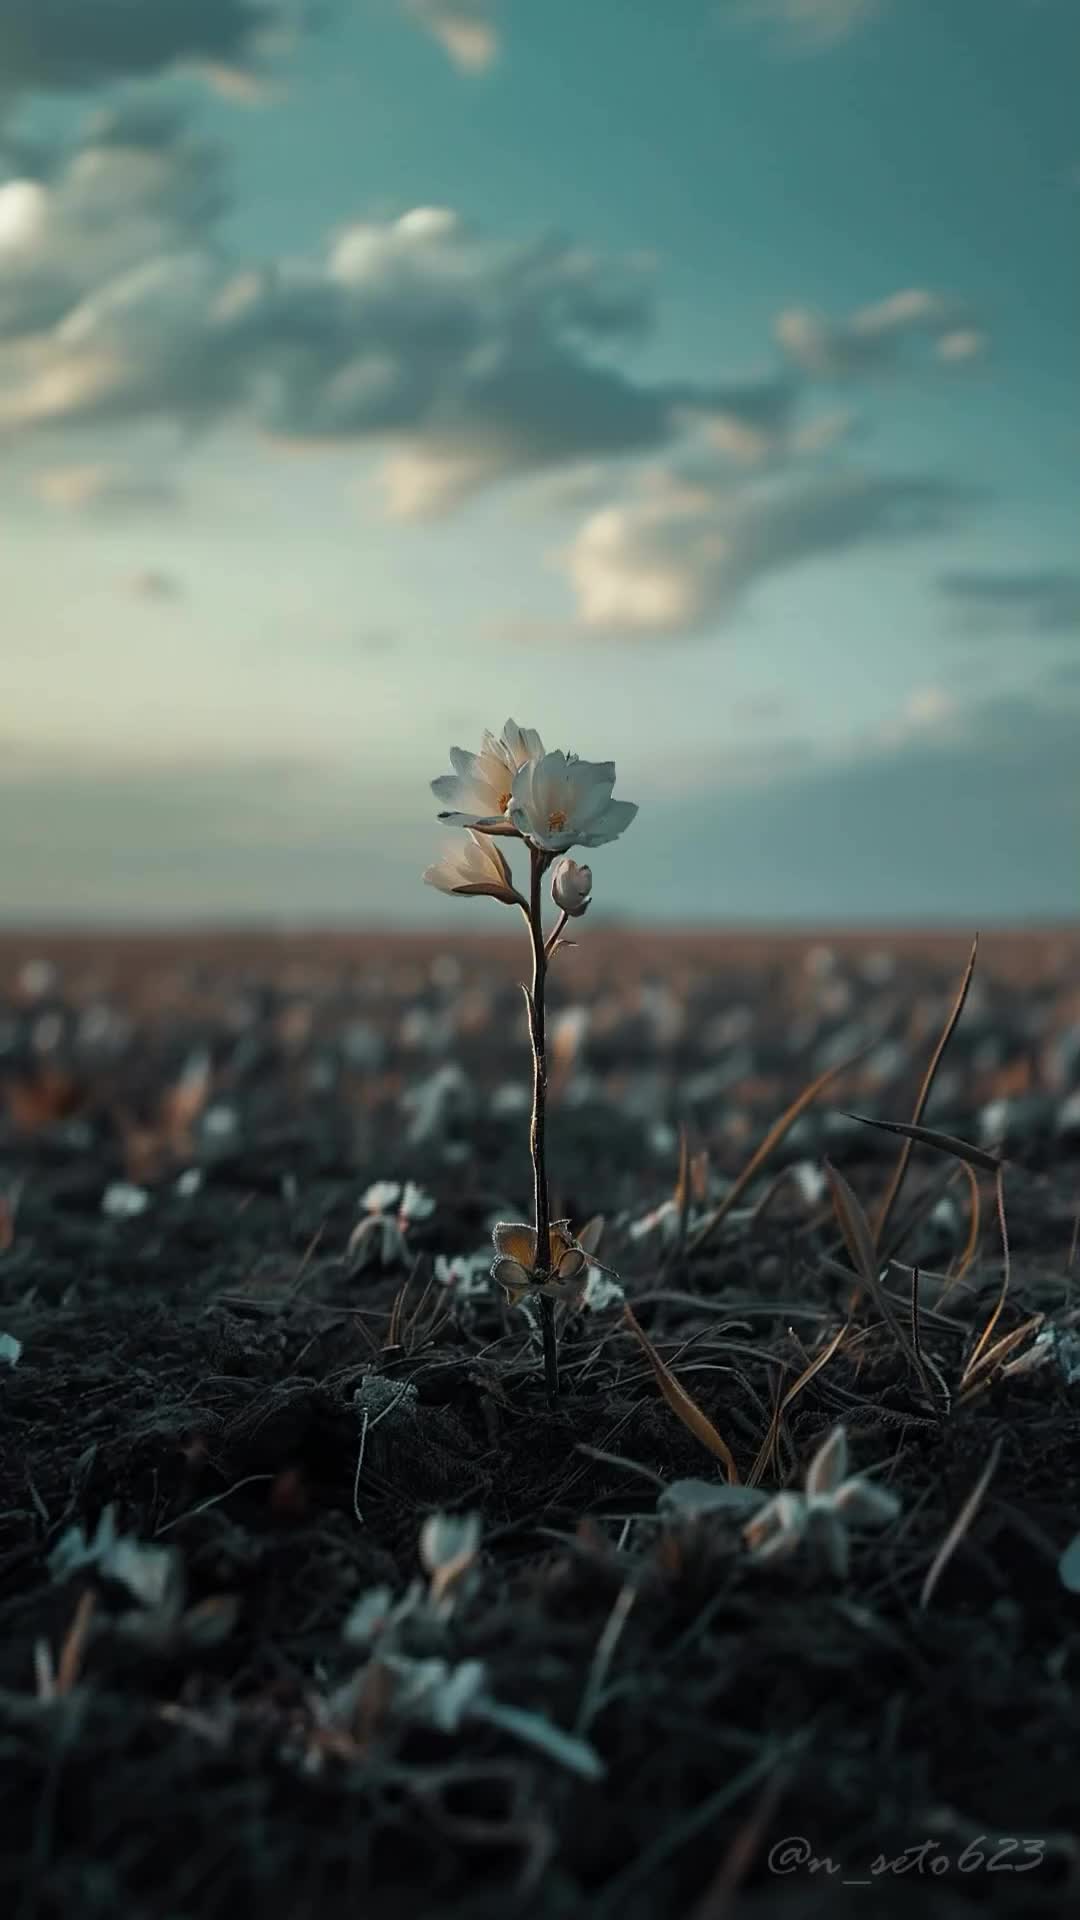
{"points": [[541, 1200]]}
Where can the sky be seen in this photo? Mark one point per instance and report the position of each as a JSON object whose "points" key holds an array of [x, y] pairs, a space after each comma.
{"points": [[696, 382]]}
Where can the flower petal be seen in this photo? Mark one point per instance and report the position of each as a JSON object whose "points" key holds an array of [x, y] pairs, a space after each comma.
{"points": [[862, 1504], [380, 1195], [515, 1240], [608, 825], [590, 782], [570, 1265], [829, 1465], [513, 1276], [497, 823]]}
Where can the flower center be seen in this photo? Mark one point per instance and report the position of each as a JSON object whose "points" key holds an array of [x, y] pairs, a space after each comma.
{"points": [[556, 820], [504, 802]]}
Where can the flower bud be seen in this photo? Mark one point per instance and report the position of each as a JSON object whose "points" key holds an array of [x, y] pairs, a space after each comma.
{"points": [[571, 887]]}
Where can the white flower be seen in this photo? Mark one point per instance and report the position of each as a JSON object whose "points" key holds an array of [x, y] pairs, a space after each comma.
{"points": [[381, 1195], [559, 801], [480, 786], [468, 1273], [380, 1236], [571, 886], [474, 865], [822, 1515], [122, 1201], [449, 1544], [601, 1291], [514, 1266], [415, 1204]]}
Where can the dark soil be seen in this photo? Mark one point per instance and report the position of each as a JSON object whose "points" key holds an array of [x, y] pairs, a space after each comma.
{"points": [[698, 1733]]}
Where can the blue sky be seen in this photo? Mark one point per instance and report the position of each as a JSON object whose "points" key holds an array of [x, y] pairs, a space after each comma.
{"points": [[697, 382]]}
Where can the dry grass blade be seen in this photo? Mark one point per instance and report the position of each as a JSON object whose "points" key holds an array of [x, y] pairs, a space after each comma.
{"points": [[71, 1653], [859, 1240], [892, 1193], [772, 1139], [680, 1402], [681, 1200], [984, 1337], [393, 1330], [942, 1142], [959, 1527], [768, 1445], [996, 1356], [972, 1241]]}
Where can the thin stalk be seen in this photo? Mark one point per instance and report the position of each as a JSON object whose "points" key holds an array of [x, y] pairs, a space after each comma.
{"points": [[539, 863], [555, 935]]}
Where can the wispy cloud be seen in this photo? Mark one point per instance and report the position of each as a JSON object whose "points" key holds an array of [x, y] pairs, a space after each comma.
{"points": [[872, 339], [467, 30], [1032, 600], [100, 488], [807, 25]]}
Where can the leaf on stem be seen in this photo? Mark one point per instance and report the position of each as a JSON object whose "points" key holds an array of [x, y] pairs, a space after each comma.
{"points": [[941, 1142]]}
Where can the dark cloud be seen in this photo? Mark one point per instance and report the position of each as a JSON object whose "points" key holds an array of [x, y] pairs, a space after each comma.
{"points": [[65, 45], [1033, 600], [975, 825]]}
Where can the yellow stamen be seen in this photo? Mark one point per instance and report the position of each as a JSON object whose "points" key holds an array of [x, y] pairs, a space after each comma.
{"points": [[504, 802], [556, 820]]}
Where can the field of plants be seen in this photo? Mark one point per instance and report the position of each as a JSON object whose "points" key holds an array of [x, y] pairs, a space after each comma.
{"points": [[315, 1599]]}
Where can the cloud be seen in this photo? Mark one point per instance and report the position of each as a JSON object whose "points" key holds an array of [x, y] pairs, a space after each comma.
{"points": [[1041, 601], [810, 25], [671, 558], [67, 45], [464, 360], [135, 188], [471, 360], [872, 339], [100, 488], [467, 30]]}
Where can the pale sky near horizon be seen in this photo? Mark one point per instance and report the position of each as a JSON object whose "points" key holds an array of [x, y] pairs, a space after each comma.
{"points": [[695, 380]]}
